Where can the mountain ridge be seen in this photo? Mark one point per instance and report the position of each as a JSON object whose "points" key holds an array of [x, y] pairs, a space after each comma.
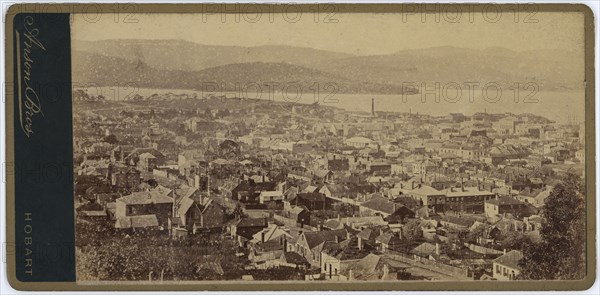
{"points": [[100, 70], [549, 69]]}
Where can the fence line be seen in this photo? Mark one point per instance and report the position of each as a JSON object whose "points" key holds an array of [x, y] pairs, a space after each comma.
{"points": [[431, 265]]}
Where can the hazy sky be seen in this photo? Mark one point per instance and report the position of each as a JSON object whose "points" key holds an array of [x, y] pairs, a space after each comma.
{"points": [[357, 33]]}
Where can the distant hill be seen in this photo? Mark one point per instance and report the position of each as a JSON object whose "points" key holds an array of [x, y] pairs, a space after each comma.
{"points": [[189, 56], [183, 64], [550, 69], [101, 70]]}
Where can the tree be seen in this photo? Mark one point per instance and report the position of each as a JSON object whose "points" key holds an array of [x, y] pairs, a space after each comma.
{"points": [[515, 241], [152, 182], [462, 237], [138, 258], [223, 113], [80, 95], [404, 275], [345, 210], [111, 138], [476, 233], [561, 253], [412, 230], [238, 213]]}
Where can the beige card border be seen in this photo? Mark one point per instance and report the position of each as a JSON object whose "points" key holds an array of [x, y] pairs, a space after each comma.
{"points": [[314, 285]]}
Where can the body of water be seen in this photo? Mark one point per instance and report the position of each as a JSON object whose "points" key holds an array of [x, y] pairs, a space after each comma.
{"points": [[560, 106]]}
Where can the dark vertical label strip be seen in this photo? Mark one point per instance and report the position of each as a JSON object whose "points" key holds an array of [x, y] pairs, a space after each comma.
{"points": [[44, 233]]}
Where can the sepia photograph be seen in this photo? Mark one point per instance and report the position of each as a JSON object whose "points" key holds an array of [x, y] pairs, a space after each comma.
{"points": [[328, 145]]}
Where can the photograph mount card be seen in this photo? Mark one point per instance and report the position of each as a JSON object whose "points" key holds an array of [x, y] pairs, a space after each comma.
{"points": [[300, 147]]}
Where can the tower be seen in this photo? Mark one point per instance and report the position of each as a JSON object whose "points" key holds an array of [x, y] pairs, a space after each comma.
{"points": [[373, 107]]}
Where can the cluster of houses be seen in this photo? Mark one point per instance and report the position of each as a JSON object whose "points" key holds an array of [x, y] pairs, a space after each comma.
{"points": [[380, 196]]}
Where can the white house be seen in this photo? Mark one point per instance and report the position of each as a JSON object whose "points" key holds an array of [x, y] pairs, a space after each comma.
{"points": [[506, 267]]}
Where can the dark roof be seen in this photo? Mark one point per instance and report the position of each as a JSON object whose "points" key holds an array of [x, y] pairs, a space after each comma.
{"points": [[315, 238], [345, 250], [338, 164], [368, 234], [250, 186], [381, 204], [361, 188], [388, 238], [90, 206], [504, 200], [409, 202], [311, 197], [294, 258]]}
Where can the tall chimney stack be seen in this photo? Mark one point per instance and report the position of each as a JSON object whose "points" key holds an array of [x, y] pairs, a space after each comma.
{"points": [[373, 107]]}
